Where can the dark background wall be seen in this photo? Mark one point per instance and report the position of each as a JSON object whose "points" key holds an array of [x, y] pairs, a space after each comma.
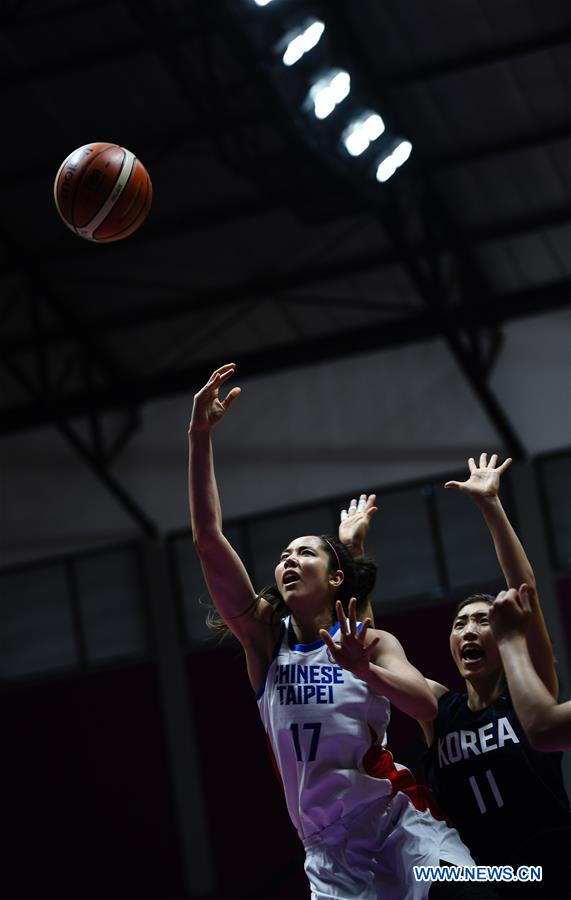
{"points": [[87, 797]]}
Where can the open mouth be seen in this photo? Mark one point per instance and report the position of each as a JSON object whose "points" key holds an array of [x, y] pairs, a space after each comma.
{"points": [[290, 578], [472, 653]]}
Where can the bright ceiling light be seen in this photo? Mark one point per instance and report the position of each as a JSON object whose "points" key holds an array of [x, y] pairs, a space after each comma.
{"points": [[361, 132], [402, 152], [262, 2], [389, 165], [329, 91], [302, 41], [386, 169]]}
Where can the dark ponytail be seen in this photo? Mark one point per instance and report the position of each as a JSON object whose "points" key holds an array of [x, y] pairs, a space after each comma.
{"points": [[360, 573]]}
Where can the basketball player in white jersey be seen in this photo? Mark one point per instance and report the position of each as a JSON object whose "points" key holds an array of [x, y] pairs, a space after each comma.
{"points": [[324, 684]]}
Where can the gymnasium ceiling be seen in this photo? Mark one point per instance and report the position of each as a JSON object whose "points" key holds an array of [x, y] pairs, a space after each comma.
{"points": [[265, 244]]}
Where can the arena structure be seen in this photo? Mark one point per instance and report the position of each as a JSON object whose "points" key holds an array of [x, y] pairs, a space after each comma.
{"points": [[387, 321]]}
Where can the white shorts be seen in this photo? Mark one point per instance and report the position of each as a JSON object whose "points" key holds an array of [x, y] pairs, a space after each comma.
{"points": [[369, 855]]}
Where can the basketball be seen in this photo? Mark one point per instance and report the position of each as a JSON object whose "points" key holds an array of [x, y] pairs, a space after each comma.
{"points": [[103, 192]]}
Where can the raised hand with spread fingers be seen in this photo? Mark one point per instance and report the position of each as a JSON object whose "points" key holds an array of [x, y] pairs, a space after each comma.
{"points": [[483, 487], [353, 653], [378, 658], [208, 408], [484, 480], [355, 522]]}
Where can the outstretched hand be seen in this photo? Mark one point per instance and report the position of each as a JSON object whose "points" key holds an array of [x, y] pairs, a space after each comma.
{"points": [[355, 521], [353, 653], [484, 480], [208, 408], [510, 613]]}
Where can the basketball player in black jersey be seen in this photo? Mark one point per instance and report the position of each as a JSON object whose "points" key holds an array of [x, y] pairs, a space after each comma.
{"points": [[506, 799], [546, 723]]}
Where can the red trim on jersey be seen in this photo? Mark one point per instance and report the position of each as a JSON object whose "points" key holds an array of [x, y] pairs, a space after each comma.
{"points": [[274, 762], [379, 763]]}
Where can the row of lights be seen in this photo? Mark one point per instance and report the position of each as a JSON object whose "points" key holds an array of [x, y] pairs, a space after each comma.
{"points": [[330, 90]]}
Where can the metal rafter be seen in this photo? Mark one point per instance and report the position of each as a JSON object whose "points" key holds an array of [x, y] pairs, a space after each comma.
{"points": [[189, 302], [430, 286], [487, 149], [154, 145], [387, 334], [550, 40], [164, 38], [46, 391], [180, 225], [91, 458], [465, 342]]}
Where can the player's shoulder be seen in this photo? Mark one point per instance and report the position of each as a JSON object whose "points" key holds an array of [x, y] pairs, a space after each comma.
{"points": [[386, 638], [439, 690]]}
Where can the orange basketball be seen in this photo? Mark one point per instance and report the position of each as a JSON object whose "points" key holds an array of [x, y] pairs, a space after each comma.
{"points": [[103, 192]]}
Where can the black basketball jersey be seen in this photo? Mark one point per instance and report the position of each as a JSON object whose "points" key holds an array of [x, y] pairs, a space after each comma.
{"points": [[500, 794]]}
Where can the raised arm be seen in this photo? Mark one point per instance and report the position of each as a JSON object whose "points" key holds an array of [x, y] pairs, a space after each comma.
{"points": [[547, 725], [483, 487], [355, 522], [353, 529], [248, 617], [380, 661]]}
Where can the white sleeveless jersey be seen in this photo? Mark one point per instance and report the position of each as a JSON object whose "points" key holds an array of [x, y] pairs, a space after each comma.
{"points": [[321, 720]]}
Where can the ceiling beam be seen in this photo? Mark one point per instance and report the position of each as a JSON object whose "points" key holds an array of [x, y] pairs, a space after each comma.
{"points": [[149, 146], [190, 302], [479, 152], [384, 335], [44, 402], [550, 40], [440, 224]]}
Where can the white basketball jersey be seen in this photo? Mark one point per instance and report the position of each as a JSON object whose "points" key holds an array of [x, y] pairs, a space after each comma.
{"points": [[321, 720]]}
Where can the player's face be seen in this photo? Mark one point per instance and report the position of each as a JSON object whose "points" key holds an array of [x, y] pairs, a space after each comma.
{"points": [[472, 644], [303, 571]]}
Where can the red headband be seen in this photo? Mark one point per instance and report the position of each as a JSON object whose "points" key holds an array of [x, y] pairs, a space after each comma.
{"points": [[339, 566]]}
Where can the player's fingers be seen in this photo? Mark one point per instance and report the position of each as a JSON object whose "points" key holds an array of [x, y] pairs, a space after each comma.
{"points": [[231, 396], [493, 461], [483, 460], [353, 615], [472, 465], [222, 369], [452, 484], [370, 507], [209, 389], [506, 463], [341, 617], [224, 376], [343, 515], [373, 644], [525, 597], [327, 639], [364, 628]]}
